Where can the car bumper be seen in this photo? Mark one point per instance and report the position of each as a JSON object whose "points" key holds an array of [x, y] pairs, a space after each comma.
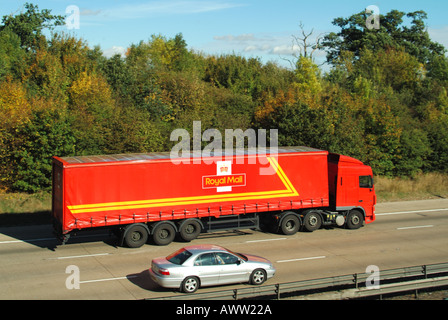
{"points": [[165, 281]]}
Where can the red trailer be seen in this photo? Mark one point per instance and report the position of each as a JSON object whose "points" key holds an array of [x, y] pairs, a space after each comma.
{"points": [[152, 195]]}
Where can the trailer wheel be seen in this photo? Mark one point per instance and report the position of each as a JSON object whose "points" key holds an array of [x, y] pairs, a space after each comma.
{"points": [[290, 224], [312, 221], [163, 234], [136, 236], [354, 220], [189, 230]]}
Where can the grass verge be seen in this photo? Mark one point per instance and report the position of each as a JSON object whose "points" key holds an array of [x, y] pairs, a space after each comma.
{"points": [[24, 209], [423, 186]]}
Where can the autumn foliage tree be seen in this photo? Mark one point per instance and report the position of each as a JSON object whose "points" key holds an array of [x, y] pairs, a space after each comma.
{"points": [[384, 99]]}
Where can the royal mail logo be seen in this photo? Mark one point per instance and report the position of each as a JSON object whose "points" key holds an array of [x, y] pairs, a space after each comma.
{"points": [[234, 180], [224, 180]]}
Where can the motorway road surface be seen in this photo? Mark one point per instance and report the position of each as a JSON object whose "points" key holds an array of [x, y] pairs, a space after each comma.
{"points": [[404, 234]]}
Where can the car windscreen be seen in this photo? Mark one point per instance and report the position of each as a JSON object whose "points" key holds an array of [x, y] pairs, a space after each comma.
{"points": [[179, 257], [241, 256]]}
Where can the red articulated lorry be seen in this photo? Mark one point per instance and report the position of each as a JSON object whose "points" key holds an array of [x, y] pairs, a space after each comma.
{"points": [[142, 196]]}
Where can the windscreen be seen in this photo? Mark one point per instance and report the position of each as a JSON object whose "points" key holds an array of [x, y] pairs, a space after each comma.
{"points": [[241, 256]]}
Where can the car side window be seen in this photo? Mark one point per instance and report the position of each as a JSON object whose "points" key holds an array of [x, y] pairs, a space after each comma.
{"points": [[225, 258], [206, 259]]}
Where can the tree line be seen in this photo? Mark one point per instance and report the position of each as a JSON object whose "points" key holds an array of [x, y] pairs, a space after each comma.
{"points": [[384, 99]]}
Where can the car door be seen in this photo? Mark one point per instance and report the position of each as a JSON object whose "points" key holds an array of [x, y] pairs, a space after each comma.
{"points": [[207, 269], [232, 269]]}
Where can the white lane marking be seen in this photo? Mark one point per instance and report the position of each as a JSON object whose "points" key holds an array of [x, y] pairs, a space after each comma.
{"points": [[49, 239], [12, 241], [109, 279], [415, 227], [82, 256], [404, 212], [266, 240], [30, 240], [301, 259]]}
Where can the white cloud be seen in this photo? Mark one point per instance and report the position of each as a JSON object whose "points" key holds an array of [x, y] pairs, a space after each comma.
{"points": [[251, 48], [110, 52], [88, 12], [242, 37], [158, 8], [285, 49], [439, 35], [266, 43], [278, 46], [260, 48]]}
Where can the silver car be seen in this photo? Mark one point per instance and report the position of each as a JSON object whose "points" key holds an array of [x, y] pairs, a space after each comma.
{"points": [[208, 265]]}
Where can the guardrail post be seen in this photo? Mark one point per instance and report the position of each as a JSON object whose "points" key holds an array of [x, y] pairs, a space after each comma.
{"points": [[235, 294], [355, 280], [425, 272], [277, 290]]}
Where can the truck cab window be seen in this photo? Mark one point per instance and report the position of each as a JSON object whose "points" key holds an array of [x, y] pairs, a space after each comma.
{"points": [[365, 182]]}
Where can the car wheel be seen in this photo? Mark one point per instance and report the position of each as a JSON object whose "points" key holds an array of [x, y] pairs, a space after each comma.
{"points": [[190, 284], [258, 277]]}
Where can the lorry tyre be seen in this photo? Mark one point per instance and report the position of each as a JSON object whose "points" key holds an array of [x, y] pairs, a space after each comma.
{"points": [[354, 220], [189, 230], [290, 224], [135, 236], [312, 221], [163, 234]]}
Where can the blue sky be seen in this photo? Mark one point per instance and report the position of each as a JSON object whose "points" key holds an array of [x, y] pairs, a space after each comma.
{"points": [[254, 28]]}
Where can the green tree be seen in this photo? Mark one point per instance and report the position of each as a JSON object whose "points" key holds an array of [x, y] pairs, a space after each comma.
{"points": [[300, 125], [308, 80], [46, 135], [15, 112], [394, 32], [438, 68], [45, 76], [382, 134], [12, 56], [118, 75], [413, 152], [145, 91], [29, 25], [437, 131], [132, 131], [92, 106], [236, 73], [74, 55]]}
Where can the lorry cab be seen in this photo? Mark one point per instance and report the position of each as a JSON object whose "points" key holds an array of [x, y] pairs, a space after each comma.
{"points": [[351, 186]]}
